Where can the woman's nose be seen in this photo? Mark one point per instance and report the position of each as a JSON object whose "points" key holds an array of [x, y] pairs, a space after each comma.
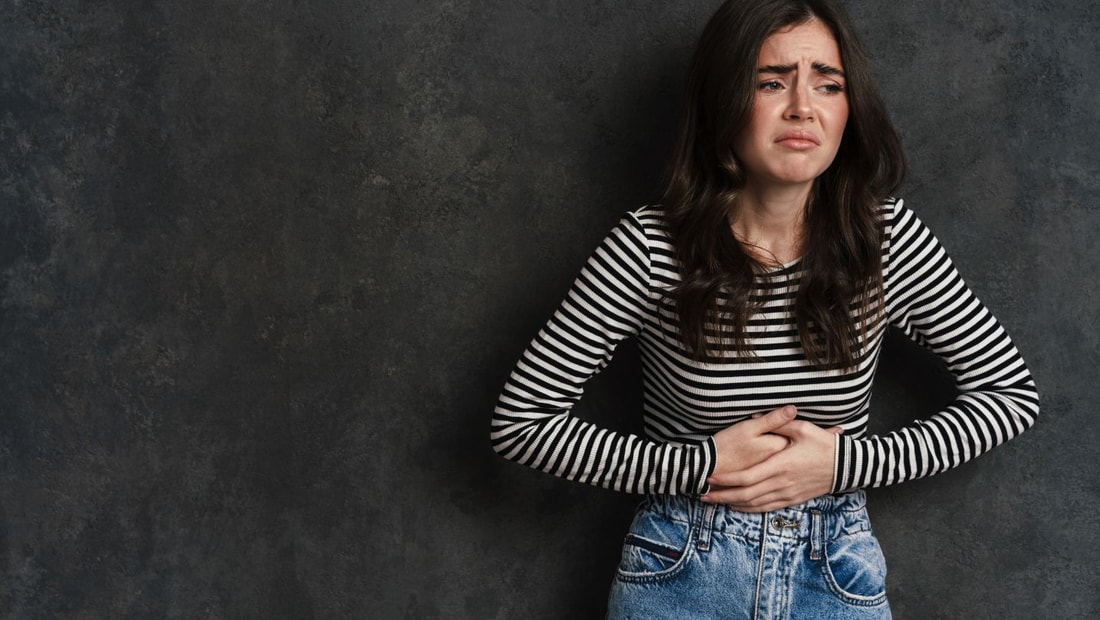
{"points": [[799, 106]]}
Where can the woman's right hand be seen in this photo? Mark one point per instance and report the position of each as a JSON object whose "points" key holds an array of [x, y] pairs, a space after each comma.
{"points": [[751, 442]]}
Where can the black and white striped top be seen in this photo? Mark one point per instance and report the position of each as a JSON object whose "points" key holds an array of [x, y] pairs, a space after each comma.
{"points": [[620, 293]]}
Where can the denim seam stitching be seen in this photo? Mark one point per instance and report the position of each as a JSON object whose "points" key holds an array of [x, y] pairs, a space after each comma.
{"points": [[843, 595]]}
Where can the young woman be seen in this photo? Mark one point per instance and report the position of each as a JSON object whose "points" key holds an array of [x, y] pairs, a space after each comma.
{"points": [[759, 291]]}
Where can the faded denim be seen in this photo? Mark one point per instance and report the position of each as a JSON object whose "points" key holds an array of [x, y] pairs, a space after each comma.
{"points": [[684, 559]]}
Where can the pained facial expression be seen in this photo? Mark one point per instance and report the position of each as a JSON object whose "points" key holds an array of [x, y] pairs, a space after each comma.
{"points": [[799, 109]]}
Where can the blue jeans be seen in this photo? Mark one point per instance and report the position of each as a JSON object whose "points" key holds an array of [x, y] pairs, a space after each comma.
{"points": [[684, 559]]}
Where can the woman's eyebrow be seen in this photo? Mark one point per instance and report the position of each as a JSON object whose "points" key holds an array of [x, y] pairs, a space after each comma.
{"points": [[825, 69], [777, 69], [819, 67]]}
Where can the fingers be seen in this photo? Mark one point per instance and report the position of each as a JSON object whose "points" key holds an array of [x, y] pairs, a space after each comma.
{"points": [[757, 498], [766, 505], [775, 419], [762, 503], [748, 477], [802, 470], [801, 428]]}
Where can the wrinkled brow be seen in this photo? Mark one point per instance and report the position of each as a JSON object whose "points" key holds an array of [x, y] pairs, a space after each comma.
{"points": [[819, 67]]}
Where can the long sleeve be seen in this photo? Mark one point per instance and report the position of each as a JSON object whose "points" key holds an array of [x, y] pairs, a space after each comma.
{"points": [[928, 300], [532, 424]]}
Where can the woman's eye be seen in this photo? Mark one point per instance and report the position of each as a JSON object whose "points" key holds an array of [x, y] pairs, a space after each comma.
{"points": [[769, 85], [832, 89]]}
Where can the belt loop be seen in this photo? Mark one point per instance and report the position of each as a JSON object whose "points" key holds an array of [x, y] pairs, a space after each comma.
{"points": [[704, 526], [817, 534]]}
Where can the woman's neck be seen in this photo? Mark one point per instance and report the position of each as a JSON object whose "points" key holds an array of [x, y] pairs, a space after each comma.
{"points": [[769, 223]]}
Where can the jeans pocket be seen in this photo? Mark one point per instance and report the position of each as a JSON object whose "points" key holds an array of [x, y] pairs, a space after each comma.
{"points": [[854, 569], [655, 549]]}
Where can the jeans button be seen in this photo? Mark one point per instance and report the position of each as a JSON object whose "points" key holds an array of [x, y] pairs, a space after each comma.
{"points": [[777, 523]]}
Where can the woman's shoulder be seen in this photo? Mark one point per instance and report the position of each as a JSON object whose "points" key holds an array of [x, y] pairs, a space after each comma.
{"points": [[650, 216], [651, 221], [888, 209], [896, 218], [901, 222]]}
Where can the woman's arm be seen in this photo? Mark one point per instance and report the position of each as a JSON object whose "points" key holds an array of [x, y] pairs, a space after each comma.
{"points": [[928, 300], [532, 424]]}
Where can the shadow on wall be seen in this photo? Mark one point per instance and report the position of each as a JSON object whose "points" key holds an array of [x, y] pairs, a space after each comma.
{"points": [[559, 541], [910, 383]]}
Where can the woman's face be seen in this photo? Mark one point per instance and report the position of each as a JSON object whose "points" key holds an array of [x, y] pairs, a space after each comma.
{"points": [[799, 109]]}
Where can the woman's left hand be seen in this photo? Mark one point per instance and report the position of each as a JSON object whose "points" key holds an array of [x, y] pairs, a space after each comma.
{"points": [[801, 471]]}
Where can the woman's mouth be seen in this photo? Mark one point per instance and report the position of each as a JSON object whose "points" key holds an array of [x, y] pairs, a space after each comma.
{"points": [[798, 140]]}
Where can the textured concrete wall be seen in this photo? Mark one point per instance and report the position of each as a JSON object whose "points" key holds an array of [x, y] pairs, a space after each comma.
{"points": [[264, 266]]}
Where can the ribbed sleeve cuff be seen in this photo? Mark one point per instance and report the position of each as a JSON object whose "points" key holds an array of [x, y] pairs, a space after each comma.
{"points": [[846, 465], [708, 458]]}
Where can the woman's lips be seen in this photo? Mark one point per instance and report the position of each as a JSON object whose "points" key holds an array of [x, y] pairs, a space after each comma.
{"points": [[798, 140]]}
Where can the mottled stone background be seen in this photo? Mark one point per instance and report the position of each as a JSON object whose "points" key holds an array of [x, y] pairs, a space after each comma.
{"points": [[264, 266]]}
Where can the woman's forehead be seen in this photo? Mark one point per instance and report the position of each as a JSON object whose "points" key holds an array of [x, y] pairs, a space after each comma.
{"points": [[811, 41]]}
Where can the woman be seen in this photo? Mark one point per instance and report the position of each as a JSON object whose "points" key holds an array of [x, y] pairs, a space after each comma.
{"points": [[759, 292]]}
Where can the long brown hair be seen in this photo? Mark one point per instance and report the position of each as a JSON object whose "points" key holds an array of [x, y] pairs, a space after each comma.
{"points": [[841, 263]]}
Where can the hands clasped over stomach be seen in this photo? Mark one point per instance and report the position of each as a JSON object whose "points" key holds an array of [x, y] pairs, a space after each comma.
{"points": [[771, 462]]}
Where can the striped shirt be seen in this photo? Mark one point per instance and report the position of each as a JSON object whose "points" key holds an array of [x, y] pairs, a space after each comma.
{"points": [[622, 292]]}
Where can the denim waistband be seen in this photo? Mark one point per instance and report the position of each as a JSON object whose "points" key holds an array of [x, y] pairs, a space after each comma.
{"points": [[821, 519]]}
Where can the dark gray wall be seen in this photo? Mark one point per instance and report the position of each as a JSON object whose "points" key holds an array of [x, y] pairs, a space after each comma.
{"points": [[265, 266]]}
